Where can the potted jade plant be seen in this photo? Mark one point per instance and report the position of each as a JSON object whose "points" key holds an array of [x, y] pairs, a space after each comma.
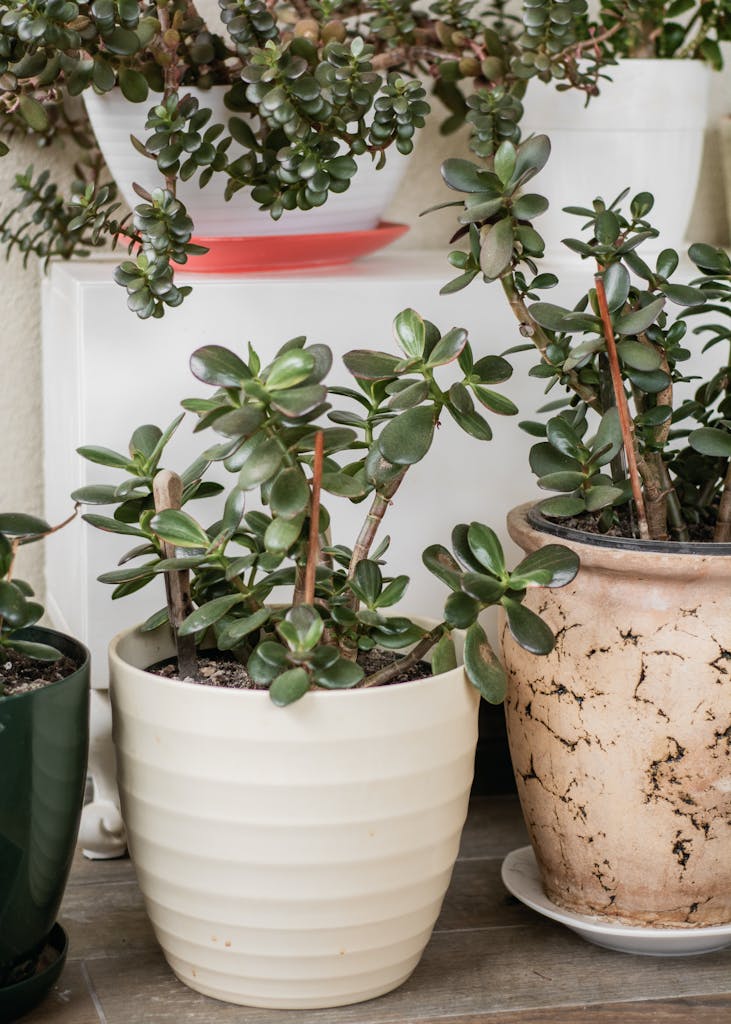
{"points": [[281, 110], [44, 706], [640, 73], [619, 736], [295, 758]]}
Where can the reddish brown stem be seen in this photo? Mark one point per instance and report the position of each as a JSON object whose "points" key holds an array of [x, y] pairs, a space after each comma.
{"points": [[625, 420], [167, 490], [313, 548]]}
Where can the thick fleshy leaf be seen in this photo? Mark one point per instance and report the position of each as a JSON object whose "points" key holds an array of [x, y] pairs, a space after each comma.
{"points": [[111, 525], [104, 456], [463, 175], [481, 664], [301, 627], [601, 496], [19, 524], [239, 422], [461, 610], [640, 319], [297, 402], [290, 493], [565, 481], [448, 347], [496, 251], [41, 652], [410, 332], [486, 589], [180, 529], [289, 687], [340, 675], [608, 438], [548, 315], [209, 613], [289, 369], [533, 155], [216, 365], [367, 581], [530, 631], [545, 459], [563, 437], [366, 364], [492, 370], [559, 508], [98, 494], [12, 604], [487, 549], [616, 286], [639, 356], [262, 462], [267, 662], [711, 441], [406, 439], [281, 534], [495, 402], [443, 655], [392, 592], [473, 423], [559, 562], [440, 562]]}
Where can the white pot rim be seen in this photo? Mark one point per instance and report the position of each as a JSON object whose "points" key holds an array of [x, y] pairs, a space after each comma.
{"points": [[117, 663]]}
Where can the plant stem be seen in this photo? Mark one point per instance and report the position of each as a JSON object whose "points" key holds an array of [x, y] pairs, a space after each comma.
{"points": [[722, 533], [625, 420], [535, 333], [385, 675], [369, 529], [167, 490], [313, 547]]}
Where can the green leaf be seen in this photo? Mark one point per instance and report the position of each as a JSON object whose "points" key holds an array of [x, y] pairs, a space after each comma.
{"points": [[548, 315], [601, 496], [406, 439], [241, 422], [461, 610], [281, 534], [487, 549], [486, 589], [463, 175], [267, 661], [505, 160], [291, 686], [133, 85], [12, 604], [564, 438], [262, 462], [492, 370], [209, 613], [235, 630], [290, 493], [494, 402], [41, 652], [559, 562], [448, 348], [19, 524], [218, 366], [368, 581], [365, 364], [530, 631], [340, 675], [440, 562], [296, 402], [392, 592], [180, 529], [410, 332], [616, 285], [533, 155], [301, 627], [639, 356], [711, 441], [684, 295], [564, 480], [496, 251], [289, 369], [609, 437], [112, 525], [104, 457], [443, 655], [471, 422], [559, 508], [33, 113], [640, 319], [527, 207], [481, 664]]}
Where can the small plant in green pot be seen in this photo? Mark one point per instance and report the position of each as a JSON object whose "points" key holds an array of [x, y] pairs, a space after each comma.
{"points": [[317, 730], [634, 454], [44, 704]]}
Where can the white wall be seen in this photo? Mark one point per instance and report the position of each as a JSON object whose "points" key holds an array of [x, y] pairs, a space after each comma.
{"points": [[20, 390]]}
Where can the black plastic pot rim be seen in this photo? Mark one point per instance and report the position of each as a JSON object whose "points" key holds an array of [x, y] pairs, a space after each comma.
{"points": [[664, 547]]}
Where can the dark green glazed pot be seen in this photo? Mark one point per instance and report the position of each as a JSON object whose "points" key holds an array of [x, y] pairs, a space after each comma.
{"points": [[44, 739]]}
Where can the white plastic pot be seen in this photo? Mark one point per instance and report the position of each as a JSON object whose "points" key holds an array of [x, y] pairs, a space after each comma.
{"points": [[290, 857], [114, 119], [645, 131]]}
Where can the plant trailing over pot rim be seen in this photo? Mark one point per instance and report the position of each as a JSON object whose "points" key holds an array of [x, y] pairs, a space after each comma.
{"points": [[369, 776], [643, 631], [44, 707]]}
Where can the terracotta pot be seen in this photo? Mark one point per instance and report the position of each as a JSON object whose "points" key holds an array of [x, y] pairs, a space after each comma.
{"points": [[290, 857], [620, 737]]}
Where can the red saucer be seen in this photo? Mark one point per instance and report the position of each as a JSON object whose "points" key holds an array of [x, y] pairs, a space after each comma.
{"points": [[258, 254]]}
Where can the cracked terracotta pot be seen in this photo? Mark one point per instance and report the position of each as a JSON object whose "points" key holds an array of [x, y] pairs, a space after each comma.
{"points": [[621, 737]]}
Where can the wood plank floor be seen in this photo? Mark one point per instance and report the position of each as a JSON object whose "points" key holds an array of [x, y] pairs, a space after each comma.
{"points": [[490, 960]]}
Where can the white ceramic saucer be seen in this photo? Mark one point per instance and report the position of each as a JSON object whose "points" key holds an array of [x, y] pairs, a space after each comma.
{"points": [[521, 878]]}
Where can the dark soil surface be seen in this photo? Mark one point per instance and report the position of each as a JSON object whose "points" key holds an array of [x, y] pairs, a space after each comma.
{"points": [[21, 674], [221, 669], [588, 522]]}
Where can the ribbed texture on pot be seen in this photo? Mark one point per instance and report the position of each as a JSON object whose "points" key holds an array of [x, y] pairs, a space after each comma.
{"points": [[292, 857], [114, 119]]}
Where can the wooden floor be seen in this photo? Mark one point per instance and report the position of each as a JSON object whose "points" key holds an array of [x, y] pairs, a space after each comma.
{"points": [[490, 960]]}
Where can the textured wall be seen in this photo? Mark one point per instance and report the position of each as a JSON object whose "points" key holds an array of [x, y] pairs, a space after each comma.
{"points": [[21, 455]]}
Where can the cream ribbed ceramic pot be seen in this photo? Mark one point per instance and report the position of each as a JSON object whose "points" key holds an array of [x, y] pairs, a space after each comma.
{"points": [[114, 119], [290, 857]]}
